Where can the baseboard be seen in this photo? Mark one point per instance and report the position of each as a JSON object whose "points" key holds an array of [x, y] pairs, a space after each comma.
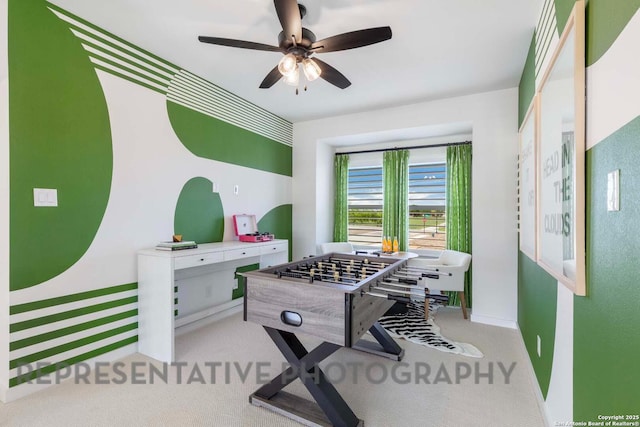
{"points": [[22, 390], [534, 381], [494, 321]]}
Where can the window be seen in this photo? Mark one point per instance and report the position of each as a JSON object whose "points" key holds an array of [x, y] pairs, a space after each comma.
{"points": [[427, 183], [427, 199], [365, 205]]}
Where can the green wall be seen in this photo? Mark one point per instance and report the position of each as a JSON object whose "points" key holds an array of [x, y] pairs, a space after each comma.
{"points": [[537, 307], [606, 337]]}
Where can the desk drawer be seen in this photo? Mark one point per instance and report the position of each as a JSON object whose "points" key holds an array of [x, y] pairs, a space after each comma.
{"points": [[196, 260], [241, 253], [274, 248]]}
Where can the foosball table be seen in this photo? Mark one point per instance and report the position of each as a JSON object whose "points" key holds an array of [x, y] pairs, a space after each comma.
{"points": [[335, 297]]}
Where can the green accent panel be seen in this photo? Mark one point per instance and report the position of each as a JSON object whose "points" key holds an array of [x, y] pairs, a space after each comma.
{"points": [[199, 214], [68, 362], [605, 21], [30, 306], [27, 324], [527, 87], [279, 222], [41, 355], [70, 330], [215, 139], [606, 321], [537, 306], [60, 138], [238, 293], [563, 10]]}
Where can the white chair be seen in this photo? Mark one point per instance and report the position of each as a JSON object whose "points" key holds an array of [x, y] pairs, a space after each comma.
{"points": [[329, 247], [449, 269]]}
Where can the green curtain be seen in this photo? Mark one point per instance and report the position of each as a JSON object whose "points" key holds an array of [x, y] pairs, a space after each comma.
{"points": [[395, 176], [458, 209], [341, 203]]}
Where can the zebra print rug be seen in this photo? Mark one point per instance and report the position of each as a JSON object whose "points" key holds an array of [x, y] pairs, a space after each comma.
{"points": [[412, 326]]}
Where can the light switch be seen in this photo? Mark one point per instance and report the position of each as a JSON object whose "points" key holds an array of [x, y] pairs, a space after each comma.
{"points": [[235, 190], [47, 197], [613, 190]]}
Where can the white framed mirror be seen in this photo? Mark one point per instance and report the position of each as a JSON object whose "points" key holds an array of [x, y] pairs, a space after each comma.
{"points": [[561, 156]]}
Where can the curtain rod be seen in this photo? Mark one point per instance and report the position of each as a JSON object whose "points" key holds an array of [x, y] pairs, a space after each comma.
{"points": [[405, 148]]}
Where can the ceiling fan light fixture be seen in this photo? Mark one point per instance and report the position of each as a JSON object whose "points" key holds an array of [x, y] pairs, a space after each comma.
{"points": [[311, 69], [288, 64], [293, 78]]}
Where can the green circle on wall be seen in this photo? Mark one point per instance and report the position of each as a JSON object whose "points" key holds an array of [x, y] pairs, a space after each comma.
{"points": [[199, 214]]}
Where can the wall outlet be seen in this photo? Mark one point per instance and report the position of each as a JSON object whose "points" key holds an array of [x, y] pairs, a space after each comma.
{"points": [[539, 345]]}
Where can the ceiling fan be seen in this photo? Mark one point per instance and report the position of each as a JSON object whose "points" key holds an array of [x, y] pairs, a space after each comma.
{"points": [[299, 44]]}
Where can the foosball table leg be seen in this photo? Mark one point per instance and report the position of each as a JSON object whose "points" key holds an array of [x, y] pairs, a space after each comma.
{"points": [[386, 346], [330, 408]]}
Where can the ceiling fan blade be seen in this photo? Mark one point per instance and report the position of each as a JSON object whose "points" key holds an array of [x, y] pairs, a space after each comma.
{"points": [[239, 43], [289, 16], [271, 79], [332, 75], [352, 39]]}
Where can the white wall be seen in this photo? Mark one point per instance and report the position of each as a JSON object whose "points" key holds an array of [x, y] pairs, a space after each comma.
{"points": [[4, 201], [493, 118]]}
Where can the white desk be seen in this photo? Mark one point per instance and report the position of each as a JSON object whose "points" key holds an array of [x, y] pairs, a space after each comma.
{"points": [[176, 288]]}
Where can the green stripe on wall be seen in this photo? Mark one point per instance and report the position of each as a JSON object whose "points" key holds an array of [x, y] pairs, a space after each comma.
{"points": [[40, 355], [50, 302], [37, 339], [19, 326], [214, 139], [125, 77], [68, 362], [167, 64], [130, 66]]}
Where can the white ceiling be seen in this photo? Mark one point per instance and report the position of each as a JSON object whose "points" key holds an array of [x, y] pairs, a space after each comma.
{"points": [[439, 48]]}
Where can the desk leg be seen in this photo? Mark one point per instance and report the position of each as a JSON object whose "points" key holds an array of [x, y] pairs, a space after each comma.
{"points": [[304, 365]]}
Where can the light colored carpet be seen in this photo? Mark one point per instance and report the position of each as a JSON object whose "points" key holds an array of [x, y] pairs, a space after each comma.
{"points": [[387, 404]]}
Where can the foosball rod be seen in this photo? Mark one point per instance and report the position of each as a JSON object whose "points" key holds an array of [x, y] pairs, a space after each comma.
{"points": [[425, 270], [328, 265], [398, 285], [360, 261], [395, 291], [316, 274], [406, 296]]}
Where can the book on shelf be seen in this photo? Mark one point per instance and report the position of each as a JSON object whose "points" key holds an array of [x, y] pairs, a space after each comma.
{"points": [[176, 246]]}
